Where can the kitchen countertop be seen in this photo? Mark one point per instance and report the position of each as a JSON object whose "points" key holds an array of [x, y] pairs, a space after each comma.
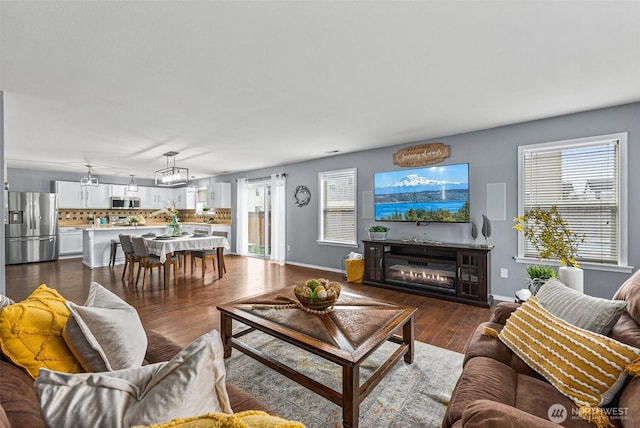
{"points": [[129, 227], [120, 227]]}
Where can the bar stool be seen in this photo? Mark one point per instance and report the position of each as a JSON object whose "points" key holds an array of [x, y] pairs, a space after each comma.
{"points": [[114, 249]]}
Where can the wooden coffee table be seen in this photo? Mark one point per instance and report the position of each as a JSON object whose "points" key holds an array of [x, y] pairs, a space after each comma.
{"points": [[346, 336]]}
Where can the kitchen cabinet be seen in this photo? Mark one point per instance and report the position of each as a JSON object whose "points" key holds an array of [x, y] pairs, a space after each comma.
{"points": [[70, 242], [184, 198], [120, 190], [97, 197], [219, 195], [155, 197], [72, 195]]}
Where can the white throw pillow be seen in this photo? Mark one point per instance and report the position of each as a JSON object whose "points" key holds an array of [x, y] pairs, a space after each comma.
{"points": [[106, 333], [191, 383]]}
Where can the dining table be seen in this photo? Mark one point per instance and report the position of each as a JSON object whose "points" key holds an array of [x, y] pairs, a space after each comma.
{"points": [[164, 246]]}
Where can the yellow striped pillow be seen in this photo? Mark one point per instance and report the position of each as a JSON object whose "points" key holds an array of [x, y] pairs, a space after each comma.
{"points": [[587, 367]]}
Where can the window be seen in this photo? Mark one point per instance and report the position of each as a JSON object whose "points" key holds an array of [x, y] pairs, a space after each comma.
{"points": [[338, 207], [586, 179]]}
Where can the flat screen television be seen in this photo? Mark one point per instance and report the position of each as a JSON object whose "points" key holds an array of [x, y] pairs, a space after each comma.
{"points": [[434, 194]]}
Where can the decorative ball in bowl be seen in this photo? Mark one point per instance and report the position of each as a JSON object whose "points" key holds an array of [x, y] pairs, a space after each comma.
{"points": [[318, 294]]}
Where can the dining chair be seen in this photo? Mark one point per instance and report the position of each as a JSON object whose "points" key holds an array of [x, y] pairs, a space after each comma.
{"points": [[182, 259], [148, 261], [208, 254], [130, 258]]}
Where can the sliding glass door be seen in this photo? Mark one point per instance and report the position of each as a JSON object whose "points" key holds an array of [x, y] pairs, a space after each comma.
{"points": [[259, 219]]}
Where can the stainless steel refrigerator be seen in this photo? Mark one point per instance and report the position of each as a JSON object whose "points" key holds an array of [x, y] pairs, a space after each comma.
{"points": [[31, 234]]}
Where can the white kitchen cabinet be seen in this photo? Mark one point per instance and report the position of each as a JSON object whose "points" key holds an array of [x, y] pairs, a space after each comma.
{"points": [[146, 195], [70, 242], [72, 195], [179, 197], [118, 190], [185, 198], [155, 197], [165, 197], [97, 197], [219, 195]]}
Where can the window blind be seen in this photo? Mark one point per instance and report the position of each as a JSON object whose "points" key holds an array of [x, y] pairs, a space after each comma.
{"points": [[338, 205], [582, 180]]}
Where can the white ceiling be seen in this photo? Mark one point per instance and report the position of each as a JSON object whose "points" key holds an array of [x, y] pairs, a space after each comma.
{"points": [[243, 85]]}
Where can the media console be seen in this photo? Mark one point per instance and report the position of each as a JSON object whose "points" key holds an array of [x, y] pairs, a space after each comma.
{"points": [[456, 272]]}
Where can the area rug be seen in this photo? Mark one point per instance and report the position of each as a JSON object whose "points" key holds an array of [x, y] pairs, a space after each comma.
{"points": [[410, 395]]}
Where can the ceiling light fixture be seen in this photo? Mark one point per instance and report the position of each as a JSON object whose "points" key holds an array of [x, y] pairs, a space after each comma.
{"points": [[172, 175], [132, 186], [89, 180]]}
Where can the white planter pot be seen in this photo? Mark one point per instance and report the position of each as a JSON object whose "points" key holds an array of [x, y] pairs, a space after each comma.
{"points": [[377, 236], [572, 277]]}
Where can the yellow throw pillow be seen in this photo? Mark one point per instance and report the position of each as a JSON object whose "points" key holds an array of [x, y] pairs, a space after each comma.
{"points": [[248, 419], [587, 367], [31, 333]]}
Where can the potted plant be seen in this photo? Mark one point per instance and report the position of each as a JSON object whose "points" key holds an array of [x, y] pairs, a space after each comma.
{"points": [[538, 276], [90, 219], [551, 236], [378, 233]]}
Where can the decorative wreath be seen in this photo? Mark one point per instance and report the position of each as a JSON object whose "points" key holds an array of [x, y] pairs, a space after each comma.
{"points": [[302, 195]]}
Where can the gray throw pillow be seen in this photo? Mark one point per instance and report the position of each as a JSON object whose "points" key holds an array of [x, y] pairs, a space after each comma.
{"points": [[584, 311], [5, 301], [106, 333], [191, 383]]}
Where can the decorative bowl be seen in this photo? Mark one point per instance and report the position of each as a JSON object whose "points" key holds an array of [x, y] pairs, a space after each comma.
{"points": [[318, 294]]}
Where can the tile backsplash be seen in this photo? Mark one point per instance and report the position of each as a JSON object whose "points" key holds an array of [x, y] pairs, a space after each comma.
{"points": [[71, 217]]}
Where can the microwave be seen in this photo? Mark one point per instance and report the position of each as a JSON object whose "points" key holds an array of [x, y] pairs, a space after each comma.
{"points": [[124, 202]]}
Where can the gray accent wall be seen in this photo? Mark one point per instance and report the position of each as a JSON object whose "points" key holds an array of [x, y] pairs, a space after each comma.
{"points": [[492, 157], [27, 180]]}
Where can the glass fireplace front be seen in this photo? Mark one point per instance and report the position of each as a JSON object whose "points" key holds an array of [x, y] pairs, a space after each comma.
{"points": [[420, 274]]}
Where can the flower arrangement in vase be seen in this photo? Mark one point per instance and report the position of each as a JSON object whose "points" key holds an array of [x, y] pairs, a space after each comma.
{"points": [[551, 236]]}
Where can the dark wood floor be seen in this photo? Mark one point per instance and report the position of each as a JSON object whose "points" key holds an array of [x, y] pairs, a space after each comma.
{"points": [[188, 310]]}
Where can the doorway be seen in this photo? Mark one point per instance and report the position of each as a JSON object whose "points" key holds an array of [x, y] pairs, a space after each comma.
{"points": [[259, 219]]}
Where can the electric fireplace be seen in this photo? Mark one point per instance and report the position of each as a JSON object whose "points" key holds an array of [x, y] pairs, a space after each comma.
{"points": [[421, 274]]}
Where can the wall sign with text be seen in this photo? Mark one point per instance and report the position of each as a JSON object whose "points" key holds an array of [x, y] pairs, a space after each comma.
{"points": [[424, 154]]}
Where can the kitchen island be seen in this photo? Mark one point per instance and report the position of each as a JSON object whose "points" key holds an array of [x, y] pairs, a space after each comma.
{"points": [[96, 240]]}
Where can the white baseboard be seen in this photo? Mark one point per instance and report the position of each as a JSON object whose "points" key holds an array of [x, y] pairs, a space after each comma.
{"points": [[504, 298], [315, 267]]}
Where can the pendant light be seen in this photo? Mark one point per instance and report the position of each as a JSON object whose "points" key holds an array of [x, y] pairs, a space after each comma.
{"points": [[89, 180], [132, 186], [172, 175]]}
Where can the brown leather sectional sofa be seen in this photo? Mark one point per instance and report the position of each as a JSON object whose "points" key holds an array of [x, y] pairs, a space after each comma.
{"points": [[19, 406], [497, 389]]}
